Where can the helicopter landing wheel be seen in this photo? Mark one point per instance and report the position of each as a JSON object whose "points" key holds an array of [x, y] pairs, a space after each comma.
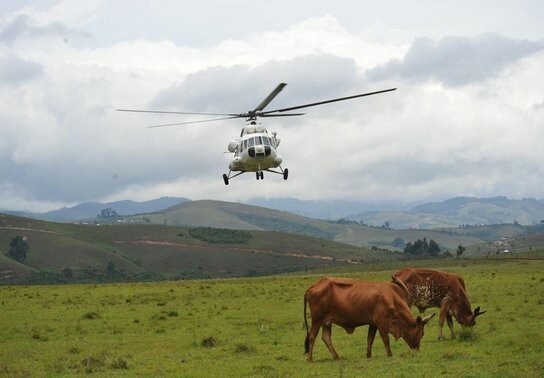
{"points": [[285, 173], [257, 175], [226, 179], [261, 173]]}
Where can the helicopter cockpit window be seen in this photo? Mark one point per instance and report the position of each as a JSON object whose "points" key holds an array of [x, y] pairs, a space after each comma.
{"points": [[251, 142], [258, 140], [266, 141], [244, 145]]}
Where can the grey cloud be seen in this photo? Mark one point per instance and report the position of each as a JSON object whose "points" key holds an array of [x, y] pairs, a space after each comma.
{"points": [[14, 70], [457, 61], [240, 88], [23, 27]]}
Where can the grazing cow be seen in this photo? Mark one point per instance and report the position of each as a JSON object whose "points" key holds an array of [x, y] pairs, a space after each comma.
{"points": [[352, 303], [431, 288]]}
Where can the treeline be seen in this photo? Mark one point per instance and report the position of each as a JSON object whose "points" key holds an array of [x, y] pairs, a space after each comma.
{"points": [[425, 249], [219, 235]]}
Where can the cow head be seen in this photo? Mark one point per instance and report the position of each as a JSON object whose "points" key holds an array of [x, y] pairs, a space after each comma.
{"points": [[470, 319], [412, 335]]}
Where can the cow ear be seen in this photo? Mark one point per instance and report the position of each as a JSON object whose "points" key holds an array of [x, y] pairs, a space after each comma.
{"points": [[477, 312], [418, 320]]}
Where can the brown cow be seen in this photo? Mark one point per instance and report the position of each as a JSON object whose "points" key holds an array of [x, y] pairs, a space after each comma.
{"points": [[352, 303], [432, 288]]}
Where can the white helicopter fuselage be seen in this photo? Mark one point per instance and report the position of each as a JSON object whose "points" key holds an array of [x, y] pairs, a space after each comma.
{"points": [[255, 150]]}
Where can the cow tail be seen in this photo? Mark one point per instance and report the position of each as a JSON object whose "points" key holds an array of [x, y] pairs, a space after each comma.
{"points": [[307, 341]]}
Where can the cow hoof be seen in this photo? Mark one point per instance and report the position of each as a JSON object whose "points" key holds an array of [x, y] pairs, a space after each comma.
{"points": [[440, 338]]}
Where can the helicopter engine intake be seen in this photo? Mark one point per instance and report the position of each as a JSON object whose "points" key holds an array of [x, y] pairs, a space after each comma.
{"points": [[232, 146]]}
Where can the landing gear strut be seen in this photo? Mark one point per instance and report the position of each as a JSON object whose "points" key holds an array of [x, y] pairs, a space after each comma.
{"points": [[284, 172], [259, 175], [226, 178]]}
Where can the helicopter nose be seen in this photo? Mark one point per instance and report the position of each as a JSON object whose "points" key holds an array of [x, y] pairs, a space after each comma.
{"points": [[259, 151]]}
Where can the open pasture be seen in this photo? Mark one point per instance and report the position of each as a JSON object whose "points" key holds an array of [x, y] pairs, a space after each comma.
{"points": [[255, 327]]}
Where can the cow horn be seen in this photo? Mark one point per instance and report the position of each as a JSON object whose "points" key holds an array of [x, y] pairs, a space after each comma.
{"points": [[477, 312], [401, 284], [427, 318]]}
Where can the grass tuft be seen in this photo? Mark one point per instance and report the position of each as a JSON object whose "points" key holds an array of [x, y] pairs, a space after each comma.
{"points": [[467, 335], [119, 363], [244, 348], [74, 350], [90, 315], [94, 364], [209, 342]]}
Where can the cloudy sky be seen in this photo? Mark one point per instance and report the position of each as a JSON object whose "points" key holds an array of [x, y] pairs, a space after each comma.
{"points": [[467, 118]]}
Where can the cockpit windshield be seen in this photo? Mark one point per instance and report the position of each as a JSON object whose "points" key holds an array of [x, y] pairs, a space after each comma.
{"points": [[257, 141]]}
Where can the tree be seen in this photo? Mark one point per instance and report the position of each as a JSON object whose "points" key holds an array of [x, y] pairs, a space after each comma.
{"points": [[111, 268], [398, 242], [423, 247], [18, 249], [460, 250], [433, 249]]}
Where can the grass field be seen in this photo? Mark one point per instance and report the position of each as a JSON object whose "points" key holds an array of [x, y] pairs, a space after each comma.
{"points": [[254, 327]]}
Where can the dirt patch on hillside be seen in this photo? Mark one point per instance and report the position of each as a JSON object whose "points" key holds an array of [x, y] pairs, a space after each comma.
{"points": [[292, 253]]}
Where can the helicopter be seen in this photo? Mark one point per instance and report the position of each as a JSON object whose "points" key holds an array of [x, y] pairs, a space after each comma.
{"points": [[256, 148]]}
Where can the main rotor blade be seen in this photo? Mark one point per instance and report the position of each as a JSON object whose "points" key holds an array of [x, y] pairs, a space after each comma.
{"points": [[167, 112], [282, 115], [186, 123], [327, 101], [270, 97]]}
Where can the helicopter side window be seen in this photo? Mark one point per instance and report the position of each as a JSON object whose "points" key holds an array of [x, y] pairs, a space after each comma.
{"points": [[244, 145], [251, 142], [266, 141]]}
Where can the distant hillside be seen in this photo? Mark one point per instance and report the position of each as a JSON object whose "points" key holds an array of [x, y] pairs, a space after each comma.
{"points": [[460, 211], [60, 252], [247, 217], [326, 209], [510, 246], [89, 210]]}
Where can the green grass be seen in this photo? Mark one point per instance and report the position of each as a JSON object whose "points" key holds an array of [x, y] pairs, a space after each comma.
{"points": [[254, 327]]}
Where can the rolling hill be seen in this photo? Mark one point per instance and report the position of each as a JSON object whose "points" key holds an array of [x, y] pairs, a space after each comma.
{"points": [[459, 211], [60, 252], [87, 210], [207, 213]]}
